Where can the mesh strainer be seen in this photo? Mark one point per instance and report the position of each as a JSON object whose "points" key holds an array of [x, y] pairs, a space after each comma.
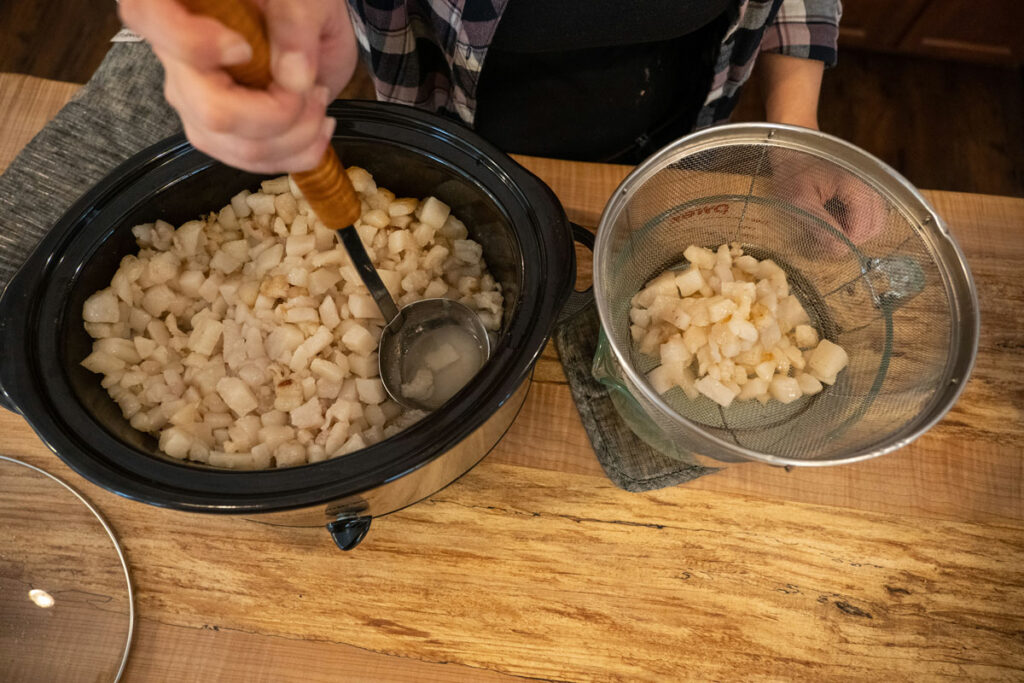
{"points": [[873, 265]]}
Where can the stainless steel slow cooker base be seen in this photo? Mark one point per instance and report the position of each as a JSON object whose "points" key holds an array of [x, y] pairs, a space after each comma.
{"points": [[526, 240]]}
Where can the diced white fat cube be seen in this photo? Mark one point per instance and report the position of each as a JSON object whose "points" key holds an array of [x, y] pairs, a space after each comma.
{"points": [[275, 435], [300, 226], [237, 395], [175, 442], [301, 314], [288, 395], [262, 204], [805, 336], [374, 414], [768, 332], [663, 307], [434, 258], [784, 389], [766, 370], [400, 241], [752, 388], [364, 365], [700, 257], [809, 384], [416, 281], [102, 363], [790, 313], [716, 390], [363, 306], [737, 291], [275, 185], [353, 444], [300, 245], [748, 264], [402, 207], [370, 390], [206, 333], [720, 308], [322, 279], [337, 436], [361, 179], [826, 361], [467, 251], [679, 316], [307, 416], [675, 355], [328, 312], [392, 280], [694, 338], [433, 211], [662, 378], [796, 358], [298, 277], [327, 370], [144, 346], [309, 348], [290, 454], [441, 357], [224, 262], [640, 316], [687, 381], [157, 300], [282, 342], [359, 340], [102, 307], [268, 259], [652, 340], [287, 209], [240, 206], [421, 387], [743, 329], [454, 229]]}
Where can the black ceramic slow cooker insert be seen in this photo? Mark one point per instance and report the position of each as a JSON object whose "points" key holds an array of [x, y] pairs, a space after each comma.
{"points": [[527, 243]]}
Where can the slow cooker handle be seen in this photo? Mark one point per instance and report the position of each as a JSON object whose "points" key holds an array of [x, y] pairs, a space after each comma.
{"points": [[578, 300]]}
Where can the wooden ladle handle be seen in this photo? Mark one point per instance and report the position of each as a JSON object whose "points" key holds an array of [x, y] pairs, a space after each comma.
{"points": [[326, 186]]}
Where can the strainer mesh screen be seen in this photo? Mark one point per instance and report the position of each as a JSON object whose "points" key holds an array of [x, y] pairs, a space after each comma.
{"points": [[878, 294]]}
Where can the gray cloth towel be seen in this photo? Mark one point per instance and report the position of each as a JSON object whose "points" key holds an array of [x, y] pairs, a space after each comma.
{"points": [[119, 112], [627, 460]]}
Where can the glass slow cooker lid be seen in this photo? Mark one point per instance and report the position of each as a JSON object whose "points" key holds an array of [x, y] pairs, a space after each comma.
{"points": [[66, 610]]}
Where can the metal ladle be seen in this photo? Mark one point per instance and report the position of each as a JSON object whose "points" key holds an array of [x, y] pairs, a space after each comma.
{"points": [[329, 192], [409, 326]]}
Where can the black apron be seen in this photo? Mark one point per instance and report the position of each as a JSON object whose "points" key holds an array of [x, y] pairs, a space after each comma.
{"points": [[598, 80]]}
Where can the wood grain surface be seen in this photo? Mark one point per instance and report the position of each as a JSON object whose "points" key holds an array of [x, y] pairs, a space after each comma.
{"points": [[533, 565]]}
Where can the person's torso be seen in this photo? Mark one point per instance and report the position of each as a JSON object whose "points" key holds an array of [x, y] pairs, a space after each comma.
{"points": [[597, 80]]}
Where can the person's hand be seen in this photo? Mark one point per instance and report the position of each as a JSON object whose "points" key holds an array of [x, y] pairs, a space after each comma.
{"points": [[791, 88], [282, 129], [836, 197]]}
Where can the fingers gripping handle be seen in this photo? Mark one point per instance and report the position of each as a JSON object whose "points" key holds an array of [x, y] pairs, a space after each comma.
{"points": [[326, 187]]}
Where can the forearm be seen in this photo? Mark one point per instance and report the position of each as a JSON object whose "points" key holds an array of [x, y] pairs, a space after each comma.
{"points": [[791, 87]]}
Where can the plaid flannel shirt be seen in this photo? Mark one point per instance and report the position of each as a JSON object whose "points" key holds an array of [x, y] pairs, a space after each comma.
{"points": [[430, 53]]}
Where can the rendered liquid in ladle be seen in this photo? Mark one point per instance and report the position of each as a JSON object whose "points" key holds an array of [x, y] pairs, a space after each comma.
{"points": [[439, 363]]}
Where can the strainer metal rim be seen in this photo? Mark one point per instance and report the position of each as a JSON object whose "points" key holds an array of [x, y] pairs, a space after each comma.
{"points": [[948, 258]]}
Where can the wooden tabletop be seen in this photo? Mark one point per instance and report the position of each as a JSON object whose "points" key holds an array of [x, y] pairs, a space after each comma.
{"points": [[534, 566]]}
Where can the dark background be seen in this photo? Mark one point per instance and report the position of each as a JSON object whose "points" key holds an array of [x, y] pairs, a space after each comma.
{"points": [[933, 87]]}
